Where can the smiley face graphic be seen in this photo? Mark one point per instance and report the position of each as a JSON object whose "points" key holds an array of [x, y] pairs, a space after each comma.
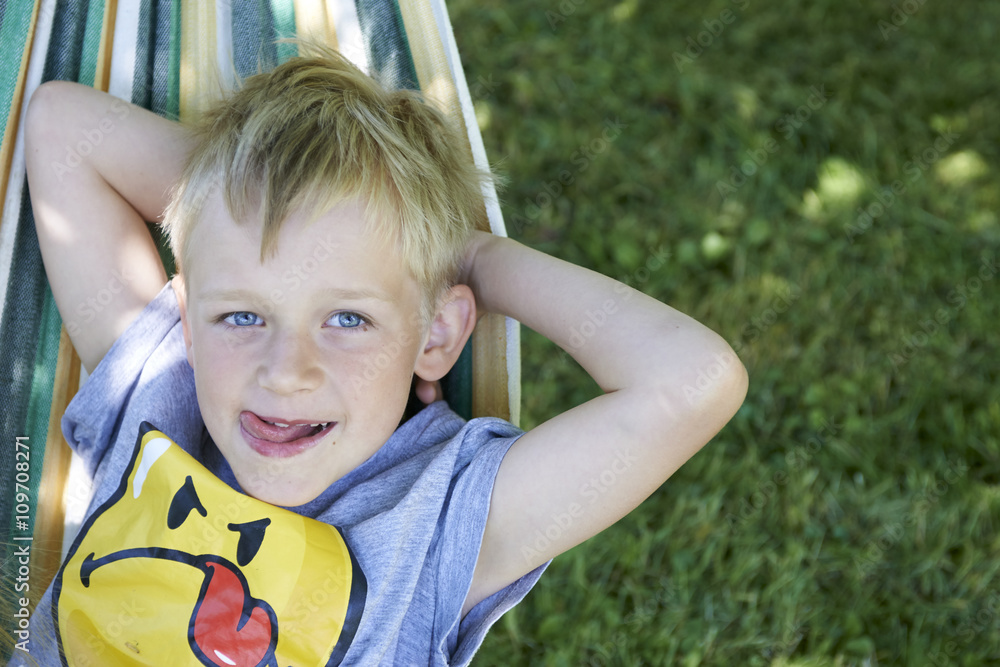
{"points": [[178, 568]]}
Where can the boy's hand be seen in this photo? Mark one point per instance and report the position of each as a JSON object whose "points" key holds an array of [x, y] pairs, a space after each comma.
{"points": [[581, 471], [97, 168], [467, 274], [476, 240]]}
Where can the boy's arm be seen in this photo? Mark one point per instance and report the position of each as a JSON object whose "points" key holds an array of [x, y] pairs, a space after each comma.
{"points": [[97, 168], [581, 471]]}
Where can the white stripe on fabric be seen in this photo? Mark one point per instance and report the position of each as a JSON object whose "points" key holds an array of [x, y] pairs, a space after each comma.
{"points": [[468, 113], [514, 370], [15, 182], [123, 46], [349, 38]]}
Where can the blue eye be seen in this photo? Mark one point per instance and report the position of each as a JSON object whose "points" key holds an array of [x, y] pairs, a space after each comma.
{"points": [[242, 318], [348, 320]]}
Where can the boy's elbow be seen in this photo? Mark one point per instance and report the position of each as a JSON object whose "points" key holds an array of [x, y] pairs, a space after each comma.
{"points": [[43, 114], [692, 404], [43, 100], [711, 388], [728, 388], [51, 110], [740, 385]]}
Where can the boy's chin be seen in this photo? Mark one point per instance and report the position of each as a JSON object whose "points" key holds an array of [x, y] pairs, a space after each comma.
{"points": [[285, 494], [286, 499]]}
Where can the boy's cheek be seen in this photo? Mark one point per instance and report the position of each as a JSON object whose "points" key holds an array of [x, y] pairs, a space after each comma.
{"points": [[365, 376], [229, 340], [390, 360]]}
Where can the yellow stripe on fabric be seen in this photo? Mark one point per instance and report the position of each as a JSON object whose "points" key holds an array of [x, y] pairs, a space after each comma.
{"points": [[93, 31], [313, 23], [430, 61], [50, 513], [490, 397], [14, 112], [102, 74], [489, 369], [199, 81]]}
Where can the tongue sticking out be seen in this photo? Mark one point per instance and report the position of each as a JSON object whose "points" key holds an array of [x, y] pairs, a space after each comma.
{"points": [[217, 630], [263, 430]]}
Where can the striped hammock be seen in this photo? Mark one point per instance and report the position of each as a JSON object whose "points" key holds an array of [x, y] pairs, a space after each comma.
{"points": [[167, 55]]}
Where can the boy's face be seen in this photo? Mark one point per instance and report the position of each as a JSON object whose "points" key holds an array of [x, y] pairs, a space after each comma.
{"points": [[327, 331]]}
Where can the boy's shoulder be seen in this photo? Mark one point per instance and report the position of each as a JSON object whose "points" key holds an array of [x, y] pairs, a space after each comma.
{"points": [[143, 377]]}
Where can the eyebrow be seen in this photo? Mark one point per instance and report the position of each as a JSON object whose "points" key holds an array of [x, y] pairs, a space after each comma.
{"points": [[237, 294]]}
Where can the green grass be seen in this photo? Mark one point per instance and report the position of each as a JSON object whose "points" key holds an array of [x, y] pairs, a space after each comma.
{"points": [[848, 515]]}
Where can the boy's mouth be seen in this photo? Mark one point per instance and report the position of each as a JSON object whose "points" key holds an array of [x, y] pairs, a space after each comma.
{"points": [[275, 437]]}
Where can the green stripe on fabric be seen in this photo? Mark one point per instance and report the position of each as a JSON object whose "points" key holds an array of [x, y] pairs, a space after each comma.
{"points": [[20, 335], [253, 38], [163, 247], [142, 76], [457, 384], [93, 28], [40, 400], [406, 66], [159, 60], [283, 13], [388, 51], [62, 60], [16, 23]]}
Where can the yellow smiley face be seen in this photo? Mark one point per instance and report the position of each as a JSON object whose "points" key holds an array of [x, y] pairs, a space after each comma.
{"points": [[178, 568]]}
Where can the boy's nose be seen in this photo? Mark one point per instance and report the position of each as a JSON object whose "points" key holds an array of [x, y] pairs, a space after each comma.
{"points": [[290, 365]]}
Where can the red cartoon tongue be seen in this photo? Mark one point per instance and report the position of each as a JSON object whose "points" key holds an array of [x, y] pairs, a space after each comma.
{"points": [[217, 618], [261, 429]]}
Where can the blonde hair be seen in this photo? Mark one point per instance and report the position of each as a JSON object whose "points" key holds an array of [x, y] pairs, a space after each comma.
{"points": [[316, 131]]}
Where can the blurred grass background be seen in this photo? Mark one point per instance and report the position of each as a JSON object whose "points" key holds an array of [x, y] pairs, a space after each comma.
{"points": [[848, 514]]}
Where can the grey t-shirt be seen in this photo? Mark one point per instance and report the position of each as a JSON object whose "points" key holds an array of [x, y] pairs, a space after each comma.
{"points": [[412, 515]]}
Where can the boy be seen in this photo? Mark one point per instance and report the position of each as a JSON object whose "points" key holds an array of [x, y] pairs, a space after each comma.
{"points": [[323, 228]]}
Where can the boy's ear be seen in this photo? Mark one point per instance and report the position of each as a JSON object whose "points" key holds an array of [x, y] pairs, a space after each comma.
{"points": [[180, 290], [449, 330]]}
